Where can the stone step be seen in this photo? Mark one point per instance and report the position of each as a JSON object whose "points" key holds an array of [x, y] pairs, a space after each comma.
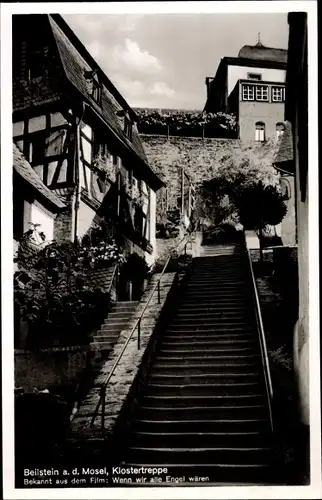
{"points": [[208, 400], [218, 425], [211, 306], [202, 413], [210, 314], [203, 387], [204, 378], [102, 346], [205, 357], [202, 439], [196, 293], [204, 335], [204, 368], [116, 327], [206, 330], [161, 456], [217, 321], [207, 344], [117, 320], [228, 350], [106, 338], [216, 281], [214, 298], [119, 315]]}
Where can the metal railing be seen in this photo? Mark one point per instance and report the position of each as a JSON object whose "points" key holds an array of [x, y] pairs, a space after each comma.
{"points": [[113, 277], [137, 325], [262, 341]]}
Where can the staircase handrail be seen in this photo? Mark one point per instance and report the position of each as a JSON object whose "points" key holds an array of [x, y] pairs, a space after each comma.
{"points": [[137, 324], [114, 274], [262, 340]]}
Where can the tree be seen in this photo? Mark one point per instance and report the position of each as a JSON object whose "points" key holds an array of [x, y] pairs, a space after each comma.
{"points": [[253, 190], [259, 206]]}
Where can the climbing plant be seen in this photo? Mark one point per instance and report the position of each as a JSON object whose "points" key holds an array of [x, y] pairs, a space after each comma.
{"points": [[53, 295], [185, 123]]}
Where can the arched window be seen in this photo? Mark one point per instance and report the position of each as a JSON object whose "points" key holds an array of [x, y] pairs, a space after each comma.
{"points": [[260, 132], [279, 129], [286, 188]]}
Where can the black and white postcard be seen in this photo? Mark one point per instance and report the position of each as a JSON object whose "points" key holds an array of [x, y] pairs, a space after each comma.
{"points": [[159, 172]]}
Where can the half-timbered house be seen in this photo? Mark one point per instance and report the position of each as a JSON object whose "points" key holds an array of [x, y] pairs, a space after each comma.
{"points": [[80, 136]]}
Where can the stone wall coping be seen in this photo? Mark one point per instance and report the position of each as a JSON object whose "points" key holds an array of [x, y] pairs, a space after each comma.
{"points": [[280, 246], [252, 241], [53, 349], [191, 137]]}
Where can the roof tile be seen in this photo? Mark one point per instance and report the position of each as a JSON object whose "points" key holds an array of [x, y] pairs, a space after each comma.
{"points": [[25, 170], [74, 66], [285, 151]]}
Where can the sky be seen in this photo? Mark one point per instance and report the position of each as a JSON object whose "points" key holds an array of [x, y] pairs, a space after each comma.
{"points": [[162, 60]]}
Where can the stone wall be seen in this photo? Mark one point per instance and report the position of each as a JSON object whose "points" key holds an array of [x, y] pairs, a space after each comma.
{"points": [[49, 367], [125, 374], [201, 158]]}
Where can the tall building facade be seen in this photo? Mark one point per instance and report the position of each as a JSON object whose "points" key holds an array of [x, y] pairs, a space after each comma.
{"points": [[252, 86]]}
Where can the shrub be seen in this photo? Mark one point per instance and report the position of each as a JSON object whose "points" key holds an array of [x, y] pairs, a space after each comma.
{"points": [[52, 296]]}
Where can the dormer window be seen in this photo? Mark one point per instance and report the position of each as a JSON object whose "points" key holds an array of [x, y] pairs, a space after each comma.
{"points": [[35, 60], [254, 76], [97, 92], [94, 87], [127, 123], [128, 127]]}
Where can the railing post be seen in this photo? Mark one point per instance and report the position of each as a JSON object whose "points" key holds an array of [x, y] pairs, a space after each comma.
{"points": [[139, 334], [159, 293], [103, 395]]}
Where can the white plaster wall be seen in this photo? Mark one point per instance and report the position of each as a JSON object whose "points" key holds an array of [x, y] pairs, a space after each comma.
{"points": [[39, 216], [236, 73], [17, 128], [152, 239], [301, 338], [37, 123], [57, 119], [85, 218]]}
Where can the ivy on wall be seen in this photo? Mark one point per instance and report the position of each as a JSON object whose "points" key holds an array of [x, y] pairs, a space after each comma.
{"points": [[187, 124]]}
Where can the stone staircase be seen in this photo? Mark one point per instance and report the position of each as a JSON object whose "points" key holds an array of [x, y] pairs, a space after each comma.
{"points": [[117, 320], [204, 409]]}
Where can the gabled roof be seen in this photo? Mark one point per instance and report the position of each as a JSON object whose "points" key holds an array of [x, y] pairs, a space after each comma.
{"points": [[26, 172], [285, 155], [75, 60]]}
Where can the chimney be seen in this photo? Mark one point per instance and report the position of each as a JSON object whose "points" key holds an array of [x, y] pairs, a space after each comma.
{"points": [[209, 79]]}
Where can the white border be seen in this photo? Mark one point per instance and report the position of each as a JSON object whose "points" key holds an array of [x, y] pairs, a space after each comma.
{"points": [[312, 491]]}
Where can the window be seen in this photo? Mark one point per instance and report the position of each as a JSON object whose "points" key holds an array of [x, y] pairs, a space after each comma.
{"points": [[260, 132], [248, 93], [128, 127], [97, 92], [278, 94], [261, 93], [254, 76], [279, 129], [286, 188], [35, 62], [93, 86]]}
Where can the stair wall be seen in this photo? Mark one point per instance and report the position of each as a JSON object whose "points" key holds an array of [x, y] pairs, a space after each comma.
{"points": [[126, 372]]}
